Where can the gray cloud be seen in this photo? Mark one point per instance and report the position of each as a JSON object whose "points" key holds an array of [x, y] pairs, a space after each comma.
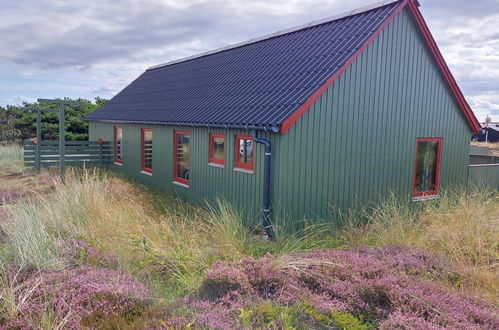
{"points": [[114, 41]]}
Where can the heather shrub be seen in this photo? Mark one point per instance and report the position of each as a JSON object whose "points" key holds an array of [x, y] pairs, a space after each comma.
{"points": [[351, 289], [79, 297], [462, 226], [220, 281], [69, 250]]}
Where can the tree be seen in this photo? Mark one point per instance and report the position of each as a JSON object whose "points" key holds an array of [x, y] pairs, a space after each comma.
{"points": [[16, 124]]}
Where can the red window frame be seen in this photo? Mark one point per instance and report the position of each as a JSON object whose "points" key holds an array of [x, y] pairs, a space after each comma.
{"points": [[142, 149], [116, 159], [244, 166], [175, 178], [437, 175], [212, 159]]}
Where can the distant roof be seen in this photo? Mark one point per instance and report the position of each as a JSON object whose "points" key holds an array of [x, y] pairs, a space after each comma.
{"points": [[255, 84]]}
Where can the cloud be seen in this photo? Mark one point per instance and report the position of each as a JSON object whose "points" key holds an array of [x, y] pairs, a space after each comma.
{"points": [[486, 104], [19, 99], [106, 44], [466, 32]]}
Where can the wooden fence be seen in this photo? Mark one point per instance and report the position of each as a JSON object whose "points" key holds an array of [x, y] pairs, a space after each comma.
{"points": [[483, 159], [75, 153], [484, 175]]}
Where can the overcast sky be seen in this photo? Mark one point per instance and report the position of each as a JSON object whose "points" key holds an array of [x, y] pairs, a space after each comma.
{"points": [[89, 48]]}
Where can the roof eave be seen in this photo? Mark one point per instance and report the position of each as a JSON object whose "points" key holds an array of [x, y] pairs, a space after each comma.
{"points": [[271, 129]]}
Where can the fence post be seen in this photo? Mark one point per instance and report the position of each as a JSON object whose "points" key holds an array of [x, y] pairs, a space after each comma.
{"points": [[62, 142], [38, 139], [101, 156]]}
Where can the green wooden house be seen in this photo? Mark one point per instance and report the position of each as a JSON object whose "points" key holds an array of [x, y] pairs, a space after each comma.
{"points": [[344, 109]]}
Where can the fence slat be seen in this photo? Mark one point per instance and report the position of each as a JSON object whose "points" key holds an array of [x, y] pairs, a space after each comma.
{"points": [[483, 159], [76, 153], [484, 175]]}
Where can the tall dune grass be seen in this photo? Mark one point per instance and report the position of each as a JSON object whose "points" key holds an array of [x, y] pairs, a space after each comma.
{"points": [[120, 217], [11, 157]]}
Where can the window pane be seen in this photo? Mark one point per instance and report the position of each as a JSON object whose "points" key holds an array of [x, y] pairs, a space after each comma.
{"points": [[183, 157], [218, 147], [245, 155], [148, 149], [119, 137], [426, 168]]}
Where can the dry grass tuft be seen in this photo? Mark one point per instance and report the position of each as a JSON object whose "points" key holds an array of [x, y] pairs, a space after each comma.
{"points": [[121, 217], [11, 157]]}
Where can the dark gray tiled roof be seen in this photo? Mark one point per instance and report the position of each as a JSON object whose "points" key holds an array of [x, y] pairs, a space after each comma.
{"points": [[258, 84]]}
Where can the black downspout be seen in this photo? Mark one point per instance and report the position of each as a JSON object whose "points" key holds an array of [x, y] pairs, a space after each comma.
{"points": [[267, 225]]}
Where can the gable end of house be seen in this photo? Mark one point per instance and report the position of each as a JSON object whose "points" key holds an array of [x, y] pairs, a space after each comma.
{"points": [[412, 7]]}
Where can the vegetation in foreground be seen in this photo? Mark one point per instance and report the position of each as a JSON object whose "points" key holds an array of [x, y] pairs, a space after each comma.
{"points": [[103, 252]]}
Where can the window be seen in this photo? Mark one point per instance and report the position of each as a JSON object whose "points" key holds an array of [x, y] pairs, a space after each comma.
{"points": [[146, 150], [244, 155], [118, 138], [427, 167], [181, 157], [217, 148]]}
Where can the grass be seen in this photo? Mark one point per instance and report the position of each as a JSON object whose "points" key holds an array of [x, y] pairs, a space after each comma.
{"points": [[11, 157], [116, 216], [170, 244]]}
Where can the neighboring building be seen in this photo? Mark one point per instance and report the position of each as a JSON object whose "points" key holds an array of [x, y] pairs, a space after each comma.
{"points": [[354, 106], [488, 133]]}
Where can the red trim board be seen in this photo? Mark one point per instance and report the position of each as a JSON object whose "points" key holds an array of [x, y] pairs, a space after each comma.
{"points": [[175, 160], [142, 147], [432, 46], [437, 175], [212, 159], [116, 159], [246, 166]]}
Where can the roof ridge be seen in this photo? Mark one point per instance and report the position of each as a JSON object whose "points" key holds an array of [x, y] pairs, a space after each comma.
{"points": [[279, 33]]}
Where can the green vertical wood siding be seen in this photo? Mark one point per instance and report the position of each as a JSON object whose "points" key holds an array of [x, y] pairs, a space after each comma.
{"points": [[358, 140], [207, 182]]}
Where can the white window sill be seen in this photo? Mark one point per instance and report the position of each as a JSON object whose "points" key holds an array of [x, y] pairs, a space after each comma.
{"points": [[425, 198], [119, 164], [216, 165], [243, 170], [146, 173], [180, 184]]}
